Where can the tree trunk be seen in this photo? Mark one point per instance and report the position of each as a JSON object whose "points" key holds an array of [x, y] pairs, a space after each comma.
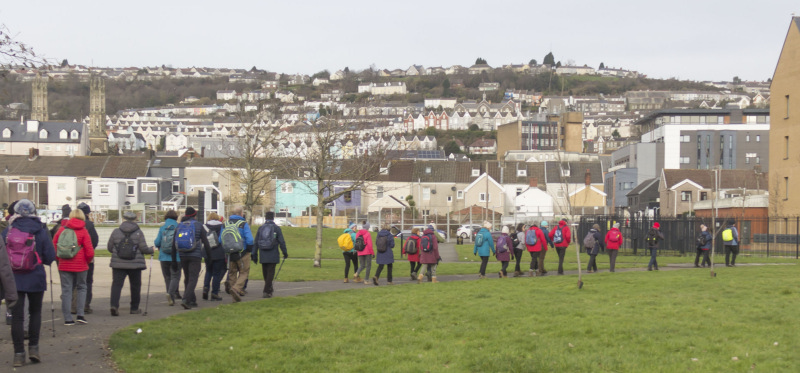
{"points": [[318, 242]]}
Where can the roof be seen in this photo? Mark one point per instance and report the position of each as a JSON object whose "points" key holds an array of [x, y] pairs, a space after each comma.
{"points": [[102, 166], [644, 185], [577, 174], [19, 132], [729, 179]]}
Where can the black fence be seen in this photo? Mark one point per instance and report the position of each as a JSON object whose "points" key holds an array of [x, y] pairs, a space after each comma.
{"points": [[778, 237]]}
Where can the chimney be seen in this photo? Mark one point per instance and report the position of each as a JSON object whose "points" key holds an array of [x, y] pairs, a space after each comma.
{"points": [[33, 153], [533, 182], [588, 177]]}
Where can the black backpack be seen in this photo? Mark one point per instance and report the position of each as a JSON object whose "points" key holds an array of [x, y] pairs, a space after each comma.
{"points": [[411, 246], [382, 243], [426, 243], [652, 237], [266, 237], [359, 245], [701, 239], [126, 249]]}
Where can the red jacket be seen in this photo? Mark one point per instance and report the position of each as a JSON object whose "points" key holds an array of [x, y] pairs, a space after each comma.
{"points": [[367, 242], [84, 256], [565, 234], [412, 257], [541, 241], [613, 245]]}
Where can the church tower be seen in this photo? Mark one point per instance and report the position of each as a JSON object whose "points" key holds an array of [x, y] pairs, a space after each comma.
{"points": [[39, 102], [98, 139]]}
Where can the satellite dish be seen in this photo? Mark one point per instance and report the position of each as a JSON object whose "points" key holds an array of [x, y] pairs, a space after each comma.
{"points": [[433, 191], [127, 203], [453, 188]]}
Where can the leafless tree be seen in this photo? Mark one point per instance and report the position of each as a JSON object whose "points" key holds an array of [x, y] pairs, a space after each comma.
{"points": [[14, 52]]}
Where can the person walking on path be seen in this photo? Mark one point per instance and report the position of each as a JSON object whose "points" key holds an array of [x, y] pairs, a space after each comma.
{"points": [[430, 258], [730, 237], [703, 247], [613, 243], [191, 257], [593, 243], [561, 237], [484, 246], [240, 267], [519, 246], [384, 242], [170, 269], [27, 286], [128, 248], [504, 250], [413, 258], [215, 263], [89, 274], [536, 243], [73, 270], [543, 252], [350, 256], [268, 238], [364, 256], [654, 235]]}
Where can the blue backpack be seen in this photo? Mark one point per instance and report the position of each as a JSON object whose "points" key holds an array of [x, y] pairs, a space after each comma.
{"points": [[530, 237], [185, 236]]}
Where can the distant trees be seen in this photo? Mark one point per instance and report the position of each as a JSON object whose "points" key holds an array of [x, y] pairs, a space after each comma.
{"points": [[480, 61], [602, 66], [451, 148], [532, 62], [446, 88], [549, 59]]}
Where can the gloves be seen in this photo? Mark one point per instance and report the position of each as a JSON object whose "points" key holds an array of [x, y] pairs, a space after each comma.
{"points": [[285, 256], [253, 258]]}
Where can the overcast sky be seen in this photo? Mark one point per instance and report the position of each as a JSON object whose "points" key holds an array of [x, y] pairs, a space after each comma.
{"points": [[697, 40]]}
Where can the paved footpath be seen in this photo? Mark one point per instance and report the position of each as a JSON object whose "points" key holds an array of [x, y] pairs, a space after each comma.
{"points": [[84, 348]]}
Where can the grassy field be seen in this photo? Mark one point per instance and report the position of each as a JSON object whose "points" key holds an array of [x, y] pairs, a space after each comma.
{"points": [[625, 322]]}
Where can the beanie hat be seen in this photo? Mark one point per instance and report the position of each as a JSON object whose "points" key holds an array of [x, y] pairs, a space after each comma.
{"points": [[85, 208], [25, 207], [505, 229], [190, 211], [351, 226], [616, 225], [65, 210], [129, 215], [432, 226], [365, 226], [487, 225], [544, 223], [656, 225]]}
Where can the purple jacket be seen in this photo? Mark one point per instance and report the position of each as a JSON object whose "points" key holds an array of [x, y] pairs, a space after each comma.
{"points": [[506, 256], [433, 256]]}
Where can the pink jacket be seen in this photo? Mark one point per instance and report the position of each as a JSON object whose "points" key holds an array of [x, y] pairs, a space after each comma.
{"points": [[367, 242], [81, 260]]}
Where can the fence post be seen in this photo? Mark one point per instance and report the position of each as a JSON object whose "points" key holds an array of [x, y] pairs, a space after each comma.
{"points": [[768, 236], [797, 239]]}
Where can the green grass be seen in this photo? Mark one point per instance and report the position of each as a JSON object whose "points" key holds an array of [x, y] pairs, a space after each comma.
{"points": [[623, 322]]}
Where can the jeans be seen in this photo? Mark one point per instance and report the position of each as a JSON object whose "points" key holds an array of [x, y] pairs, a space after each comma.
{"points": [[350, 257], [561, 251], [268, 271], [653, 262], [240, 270], [592, 266], [518, 257], [67, 281], [191, 271], [415, 266], [534, 260], [484, 261], [364, 262], [172, 277], [612, 259], [388, 271], [89, 282], [18, 318], [214, 272], [731, 249], [505, 266], [118, 281]]}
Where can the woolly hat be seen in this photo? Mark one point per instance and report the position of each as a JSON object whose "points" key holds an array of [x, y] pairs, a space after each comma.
{"points": [[129, 215], [616, 225], [656, 225], [543, 224], [487, 225], [365, 226], [351, 226], [505, 230], [432, 226], [85, 208], [190, 211], [65, 210], [25, 207]]}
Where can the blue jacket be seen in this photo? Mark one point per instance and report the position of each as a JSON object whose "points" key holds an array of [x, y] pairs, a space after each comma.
{"points": [[388, 256], [488, 244], [36, 280], [735, 232], [547, 236], [271, 254], [246, 233], [707, 237], [161, 255]]}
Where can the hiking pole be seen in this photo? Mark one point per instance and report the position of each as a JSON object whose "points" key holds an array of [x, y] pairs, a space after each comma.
{"points": [[52, 303], [279, 269], [578, 254], [149, 277]]}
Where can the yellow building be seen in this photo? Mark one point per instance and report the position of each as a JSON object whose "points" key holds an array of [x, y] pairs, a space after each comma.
{"points": [[784, 156]]}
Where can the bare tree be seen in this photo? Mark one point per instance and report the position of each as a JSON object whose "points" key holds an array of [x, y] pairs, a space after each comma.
{"points": [[334, 164], [15, 52]]}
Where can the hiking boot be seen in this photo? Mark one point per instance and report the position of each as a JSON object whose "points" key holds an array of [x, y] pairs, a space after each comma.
{"points": [[87, 310], [389, 283], [19, 359], [82, 320], [205, 293], [185, 305], [419, 278], [215, 297], [366, 282], [530, 273], [269, 295], [561, 273], [33, 354], [375, 281], [517, 273], [413, 277], [481, 277], [114, 311], [357, 278], [346, 280], [136, 312], [236, 297], [170, 301], [227, 288], [434, 280]]}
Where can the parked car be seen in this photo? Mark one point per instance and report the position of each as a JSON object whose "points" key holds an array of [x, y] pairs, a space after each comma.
{"points": [[467, 231], [283, 222]]}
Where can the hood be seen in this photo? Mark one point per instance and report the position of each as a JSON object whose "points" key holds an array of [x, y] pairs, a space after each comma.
{"points": [[614, 229], [27, 224], [348, 230], [562, 223], [430, 231], [185, 218], [235, 217], [128, 227], [74, 224], [384, 232]]}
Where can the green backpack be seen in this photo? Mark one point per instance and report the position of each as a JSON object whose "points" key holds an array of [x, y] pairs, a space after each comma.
{"points": [[67, 246]]}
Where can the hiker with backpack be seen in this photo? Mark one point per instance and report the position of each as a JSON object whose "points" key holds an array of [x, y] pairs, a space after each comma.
{"points": [[29, 249], [215, 263], [593, 242], [191, 244], [429, 253], [519, 246], [170, 265], [74, 251], [613, 243], [484, 246], [653, 236], [87, 309], [411, 250], [703, 247], [363, 246], [504, 249], [385, 257], [269, 238], [730, 237], [346, 242], [128, 248], [561, 237], [237, 241], [536, 244]]}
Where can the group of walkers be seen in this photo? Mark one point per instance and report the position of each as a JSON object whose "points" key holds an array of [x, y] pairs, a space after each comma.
{"points": [[27, 247]]}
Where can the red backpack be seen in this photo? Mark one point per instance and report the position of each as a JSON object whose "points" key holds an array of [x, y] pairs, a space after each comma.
{"points": [[614, 236], [22, 253]]}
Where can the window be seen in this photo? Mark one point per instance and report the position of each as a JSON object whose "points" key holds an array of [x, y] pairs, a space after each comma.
{"points": [[2, 146], [758, 160], [686, 196], [6, 133], [460, 194], [747, 138], [348, 196], [426, 194], [686, 138], [47, 148], [104, 189], [787, 107], [786, 147], [22, 188], [427, 170], [287, 188], [522, 173], [74, 135], [131, 188], [89, 187], [703, 196], [306, 174], [758, 138], [384, 170], [379, 192], [449, 198], [564, 172], [685, 160], [242, 188], [43, 134], [176, 187], [176, 172], [149, 187], [519, 191], [482, 197], [62, 134], [61, 187], [476, 172]]}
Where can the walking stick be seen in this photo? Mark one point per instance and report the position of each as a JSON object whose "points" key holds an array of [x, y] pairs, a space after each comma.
{"points": [[52, 303], [279, 269], [578, 253], [149, 277]]}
